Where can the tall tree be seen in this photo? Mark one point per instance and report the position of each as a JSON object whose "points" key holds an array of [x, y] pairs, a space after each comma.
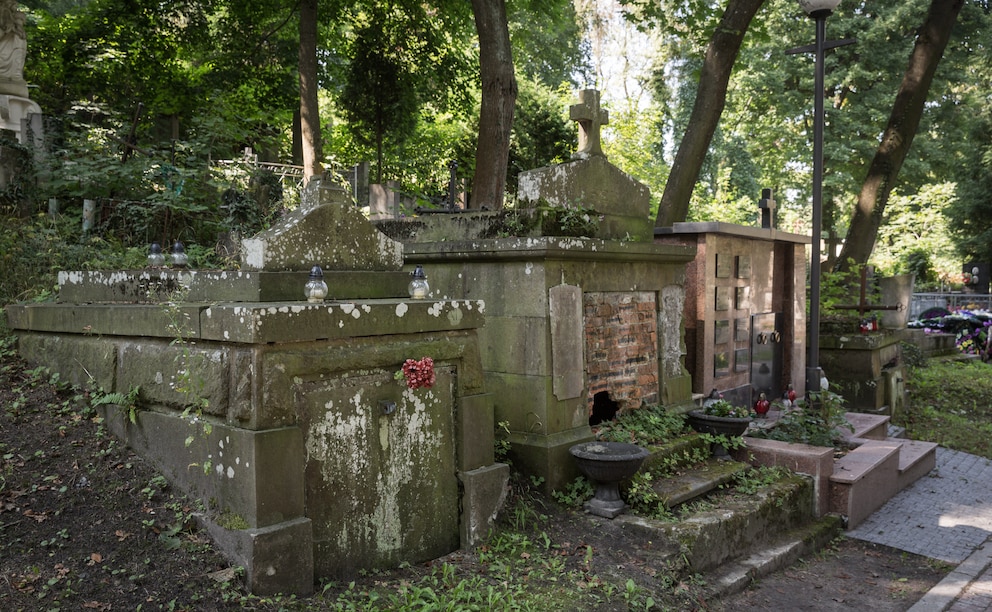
{"points": [[499, 95], [309, 107], [904, 120], [711, 95]]}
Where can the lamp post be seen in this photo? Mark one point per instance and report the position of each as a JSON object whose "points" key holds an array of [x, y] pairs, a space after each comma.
{"points": [[819, 10]]}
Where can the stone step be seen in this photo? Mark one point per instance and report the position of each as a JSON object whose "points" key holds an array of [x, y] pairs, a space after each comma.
{"points": [[735, 576], [677, 453], [866, 426], [864, 479], [696, 481], [916, 459], [733, 527]]}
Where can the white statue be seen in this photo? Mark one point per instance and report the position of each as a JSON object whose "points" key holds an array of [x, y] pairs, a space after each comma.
{"points": [[13, 43]]}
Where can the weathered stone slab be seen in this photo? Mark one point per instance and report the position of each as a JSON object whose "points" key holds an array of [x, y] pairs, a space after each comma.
{"points": [[281, 322], [375, 453], [158, 286], [251, 475], [328, 231], [523, 348], [106, 319], [593, 183], [485, 494], [277, 559], [567, 340]]}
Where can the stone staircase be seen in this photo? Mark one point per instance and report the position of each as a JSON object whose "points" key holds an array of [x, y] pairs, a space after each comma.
{"points": [[734, 539], [717, 528], [877, 467]]}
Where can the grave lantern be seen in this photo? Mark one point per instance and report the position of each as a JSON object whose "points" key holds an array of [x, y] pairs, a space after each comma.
{"points": [[156, 259], [316, 289], [178, 255], [418, 287], [813, 7]]}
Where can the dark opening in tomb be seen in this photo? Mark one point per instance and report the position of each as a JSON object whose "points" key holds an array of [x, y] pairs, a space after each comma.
{"points": [[603, 408]]}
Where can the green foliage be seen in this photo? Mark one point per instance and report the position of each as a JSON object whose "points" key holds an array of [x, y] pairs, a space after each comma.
{"points": [[646, 426], [951, 404], [575, 494], [568, 221], [816, 421], [644, 500], [912, 355], [754, 479], [501, 442], [380, 100], [723, 408], [916, 238], [843, 287], [126, 402]]}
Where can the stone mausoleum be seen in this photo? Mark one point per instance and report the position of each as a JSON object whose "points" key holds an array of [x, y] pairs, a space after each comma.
{"points": [[320, 462], [745, 315], [577, 328]]}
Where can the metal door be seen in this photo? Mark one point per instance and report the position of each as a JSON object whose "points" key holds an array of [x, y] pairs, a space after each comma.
{"points": [[766, 354]]}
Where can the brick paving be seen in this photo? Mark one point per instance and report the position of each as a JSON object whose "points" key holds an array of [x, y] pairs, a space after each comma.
{"points": [[946, 515]]}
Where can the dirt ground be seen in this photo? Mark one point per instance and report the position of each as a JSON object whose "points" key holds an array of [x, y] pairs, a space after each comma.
{"points": [[87, 525]]}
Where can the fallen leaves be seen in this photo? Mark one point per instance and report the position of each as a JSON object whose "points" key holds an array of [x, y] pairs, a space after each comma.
{"points": [[39, 517]]}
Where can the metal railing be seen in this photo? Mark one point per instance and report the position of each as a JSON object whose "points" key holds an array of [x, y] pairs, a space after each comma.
{"points": [[948, 301]]}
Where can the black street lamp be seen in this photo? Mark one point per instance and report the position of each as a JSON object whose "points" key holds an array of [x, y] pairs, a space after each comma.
{"points": [[819, 10]]}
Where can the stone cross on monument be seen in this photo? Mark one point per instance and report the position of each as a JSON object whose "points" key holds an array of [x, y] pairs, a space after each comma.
{"points": [[590, 118]]}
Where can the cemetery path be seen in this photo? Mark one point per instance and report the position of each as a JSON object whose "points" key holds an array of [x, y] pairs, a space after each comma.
{"points": [[86, 524]]}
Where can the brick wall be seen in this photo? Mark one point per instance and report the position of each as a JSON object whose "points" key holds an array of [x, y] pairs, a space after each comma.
{"points": [[621, 330]]}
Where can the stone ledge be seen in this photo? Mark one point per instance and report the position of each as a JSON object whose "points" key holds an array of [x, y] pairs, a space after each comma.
{"points": [[815, 461], [864, 479]]}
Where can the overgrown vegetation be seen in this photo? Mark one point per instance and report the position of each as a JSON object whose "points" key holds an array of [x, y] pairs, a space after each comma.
{"points": [[646, 426], [950, 402], [816, 421]]}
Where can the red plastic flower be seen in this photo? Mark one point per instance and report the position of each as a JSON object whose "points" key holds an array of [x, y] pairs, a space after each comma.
{"points": [[419, 373]]}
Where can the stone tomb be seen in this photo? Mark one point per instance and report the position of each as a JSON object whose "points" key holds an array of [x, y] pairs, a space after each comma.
{"points": [[319, 463], [745, 309], [576, 327]]}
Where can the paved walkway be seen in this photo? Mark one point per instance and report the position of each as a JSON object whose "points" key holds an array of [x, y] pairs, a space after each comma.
{"points": [[946, 515]]}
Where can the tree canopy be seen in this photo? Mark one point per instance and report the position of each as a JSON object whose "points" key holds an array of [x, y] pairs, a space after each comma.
{"points": [[399, 84]]}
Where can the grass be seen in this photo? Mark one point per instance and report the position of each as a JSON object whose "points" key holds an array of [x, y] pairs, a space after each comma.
{"points": [[950, 402]]}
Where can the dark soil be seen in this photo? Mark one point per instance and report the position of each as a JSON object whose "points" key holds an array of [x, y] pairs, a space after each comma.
{"points": [[85, 524]]}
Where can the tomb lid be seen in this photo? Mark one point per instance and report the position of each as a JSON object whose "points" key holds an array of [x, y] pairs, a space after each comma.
{"points": [[730, 229], [327, 230]]}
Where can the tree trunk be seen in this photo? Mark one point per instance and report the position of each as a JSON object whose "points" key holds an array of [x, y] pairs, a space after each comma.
{"points": [[499, 95], [711, 96], [899, 133], [309, 109]]}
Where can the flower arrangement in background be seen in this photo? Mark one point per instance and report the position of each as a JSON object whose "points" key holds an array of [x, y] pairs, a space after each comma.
{"points": [[970, 328], [417, 374]]}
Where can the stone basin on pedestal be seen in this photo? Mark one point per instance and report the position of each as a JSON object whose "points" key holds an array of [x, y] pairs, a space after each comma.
{"points": [[718, 426], [607, 464]]}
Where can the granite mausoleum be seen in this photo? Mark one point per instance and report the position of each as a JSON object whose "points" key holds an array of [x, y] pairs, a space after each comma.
{"points": [[746, 309]]}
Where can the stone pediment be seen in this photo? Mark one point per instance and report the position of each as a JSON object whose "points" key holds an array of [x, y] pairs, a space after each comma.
{"points": [[327, 230], [592, 183]]}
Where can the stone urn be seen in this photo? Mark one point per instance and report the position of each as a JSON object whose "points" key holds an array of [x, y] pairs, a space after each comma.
{"points": [[717, 425], [606, 464]]}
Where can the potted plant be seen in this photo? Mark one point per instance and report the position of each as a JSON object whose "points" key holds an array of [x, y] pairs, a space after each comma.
{"points": [[720, 418]]}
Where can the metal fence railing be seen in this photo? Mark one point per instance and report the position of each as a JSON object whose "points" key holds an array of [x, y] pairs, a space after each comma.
{"points": [[948, 301]]}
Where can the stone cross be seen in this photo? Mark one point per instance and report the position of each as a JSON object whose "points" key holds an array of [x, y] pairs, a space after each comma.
{"points": [[590, 118], [767, 206]]}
